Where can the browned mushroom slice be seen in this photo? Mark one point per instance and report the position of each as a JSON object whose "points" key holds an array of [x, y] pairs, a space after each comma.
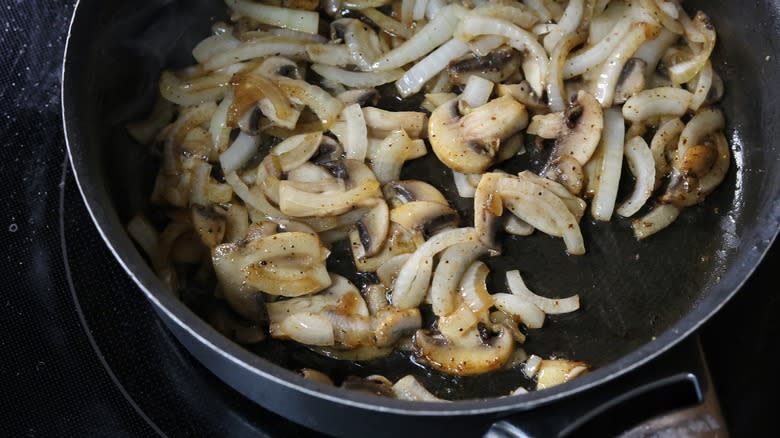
{"points": [[523, 93], [424, 218], [577, 129], [701, 161], [496, 66], [402, 192], [631, 80], [390, 325], [361, 187], [381, 123], [468, 354], [470, 143], [488, 207], [373, 228]]}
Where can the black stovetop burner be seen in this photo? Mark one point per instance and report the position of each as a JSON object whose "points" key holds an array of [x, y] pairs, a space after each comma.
{"points": [[82, 353]]}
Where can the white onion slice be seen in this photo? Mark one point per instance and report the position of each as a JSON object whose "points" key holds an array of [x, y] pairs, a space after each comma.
{"points": [[259, 48], [414, 277], [295, 19], [308, 328], [536, 61], [357, 79], [527, 312], [408, 388], [436, 32], [612, 144], [477, 91], [656, 220], [550, 306], [413, 80], [449, 271], [640, 161], [463, 185], [532, 366], [606, 77], [355, 141], [329, 54], [214, 45], [243, 148], [661, 101], [589, 58], [701, 86]]}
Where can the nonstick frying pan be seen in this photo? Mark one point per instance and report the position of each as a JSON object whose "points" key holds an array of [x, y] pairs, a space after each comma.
{"points": [[639, 298]]}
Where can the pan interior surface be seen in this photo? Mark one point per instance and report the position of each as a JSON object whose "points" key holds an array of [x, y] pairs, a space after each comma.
{"points": [[638, 298]]}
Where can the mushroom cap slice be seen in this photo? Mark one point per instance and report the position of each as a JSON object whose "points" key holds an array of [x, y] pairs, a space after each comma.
{"points": [[470, 143], [577, 129], [469, 355]]}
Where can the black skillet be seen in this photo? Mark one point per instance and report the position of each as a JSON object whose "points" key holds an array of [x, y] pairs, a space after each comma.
{"points": [[639, 298]]}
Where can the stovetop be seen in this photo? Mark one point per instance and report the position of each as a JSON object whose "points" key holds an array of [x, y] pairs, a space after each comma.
{"points": [[82, 353]]}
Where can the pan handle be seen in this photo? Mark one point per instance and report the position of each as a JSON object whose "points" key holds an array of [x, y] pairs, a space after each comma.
{"points": [[675, 380]]}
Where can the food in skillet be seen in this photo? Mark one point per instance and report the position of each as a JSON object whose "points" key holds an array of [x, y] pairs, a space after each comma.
{"points": [[291, 132]]}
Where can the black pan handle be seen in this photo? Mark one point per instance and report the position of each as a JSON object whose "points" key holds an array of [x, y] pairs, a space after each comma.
{"points": [[677, 379]]}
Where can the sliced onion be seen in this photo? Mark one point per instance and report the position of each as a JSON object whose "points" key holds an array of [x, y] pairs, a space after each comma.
{"points": [[243, 148], [611, 164], [355, 140], [465, 188], [473, 288], [664, 140], [607, 76], [414, 277], [259, 48], [357, 79], [213, 45], [532, 366], [436, 32], [387, 24], [413, 80], [536, 62], [525, 311], [590, 57], [408, 388], [295, 19], [390, 155], [640, 161], [329, 54], [701, 86], [656, 220], [662, 101], [451, 268], [307, 328], [477, 91], [550, 306], [683, 72]]}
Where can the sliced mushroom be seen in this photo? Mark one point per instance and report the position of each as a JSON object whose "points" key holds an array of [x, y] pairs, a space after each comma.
{"points": [[557, 371], [361, 187], [329, 150], [523, 93], [577, 129], [402, 192], [390, 325], [381, 122], [468, 354], [631, 80], [470, 143], [288, 264], [373, 228], [399, 241], [497, 66], [488, 208], [424, 218]]}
